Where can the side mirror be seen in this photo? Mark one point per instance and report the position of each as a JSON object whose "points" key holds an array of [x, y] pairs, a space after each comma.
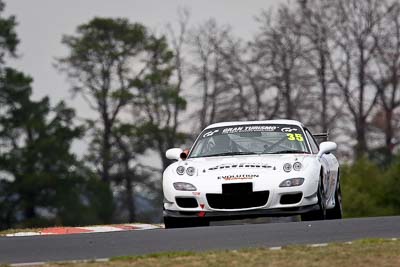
{"points": [[326, 147], [174, 153], [177, 154]]}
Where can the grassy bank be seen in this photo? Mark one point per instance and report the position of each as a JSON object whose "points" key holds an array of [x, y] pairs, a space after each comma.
{"points": [[370, 252]]}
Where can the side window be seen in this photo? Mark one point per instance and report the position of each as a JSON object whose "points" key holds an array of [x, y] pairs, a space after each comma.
{"points": [[314, 146]]}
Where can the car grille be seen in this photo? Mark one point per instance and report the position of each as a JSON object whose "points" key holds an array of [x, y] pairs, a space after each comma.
{"points": [[237, 196]]}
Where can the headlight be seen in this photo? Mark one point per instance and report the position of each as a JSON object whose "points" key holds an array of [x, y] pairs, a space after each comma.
{"points": [[292, 182], [297, 166], [287, 167], [180, 170], [190, 171], [184, 186]]}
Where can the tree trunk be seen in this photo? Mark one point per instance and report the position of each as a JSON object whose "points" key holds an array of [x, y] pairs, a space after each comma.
{"points": [[389, 132], [203, 112], [324, 96], [361, 146], [288, 98], [129, 193], [106, 150]]}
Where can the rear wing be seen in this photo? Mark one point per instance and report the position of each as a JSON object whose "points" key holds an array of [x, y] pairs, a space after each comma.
{"points": [[321, 137]]}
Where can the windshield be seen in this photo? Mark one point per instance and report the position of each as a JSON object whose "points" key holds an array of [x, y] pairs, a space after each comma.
{"points": [[250, 139]]}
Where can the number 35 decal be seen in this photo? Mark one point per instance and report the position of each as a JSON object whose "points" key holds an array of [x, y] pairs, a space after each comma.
{"points": [[294, 137]]}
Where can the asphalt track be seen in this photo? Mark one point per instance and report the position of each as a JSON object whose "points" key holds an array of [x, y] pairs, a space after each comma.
{"points": [[105, 245]]}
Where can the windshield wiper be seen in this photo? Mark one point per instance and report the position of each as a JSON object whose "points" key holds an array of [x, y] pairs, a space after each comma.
{"points": [[230, 154], [289, 152]]}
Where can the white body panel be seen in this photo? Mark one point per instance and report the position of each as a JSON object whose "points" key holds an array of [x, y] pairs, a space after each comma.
{"points": [[264, 171]]}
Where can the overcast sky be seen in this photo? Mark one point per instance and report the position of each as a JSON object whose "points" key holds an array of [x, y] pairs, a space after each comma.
{"points": [[41, 24]]}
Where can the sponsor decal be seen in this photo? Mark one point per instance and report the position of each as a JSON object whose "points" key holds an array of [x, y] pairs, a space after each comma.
{"points": [[255, 128], [241, 165], [238, 177], [288, 130], [211, 133], [252, 128], [295, 137]]}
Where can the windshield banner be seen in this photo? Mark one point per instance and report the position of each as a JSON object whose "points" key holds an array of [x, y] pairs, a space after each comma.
{"points": [[251, 129]]}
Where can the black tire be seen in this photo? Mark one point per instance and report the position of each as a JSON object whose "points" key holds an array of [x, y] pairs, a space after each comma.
{"points": [[319, 214], [172, 222], [337, 212]]}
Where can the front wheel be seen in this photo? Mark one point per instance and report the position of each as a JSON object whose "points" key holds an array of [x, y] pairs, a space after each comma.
{"points": [[173, 222], [319, 214]]}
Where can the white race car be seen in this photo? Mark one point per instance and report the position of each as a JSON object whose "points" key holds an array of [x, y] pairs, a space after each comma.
{"points": [[251, 169]]}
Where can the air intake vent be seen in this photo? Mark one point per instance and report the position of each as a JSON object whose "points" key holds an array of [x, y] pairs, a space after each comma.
{"points": [[237, 188], [186, 202], [238, 201], [291, 198]]}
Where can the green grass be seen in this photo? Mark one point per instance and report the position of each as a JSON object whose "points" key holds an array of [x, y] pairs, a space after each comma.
{"points": [[169, 255], [366, 252]]}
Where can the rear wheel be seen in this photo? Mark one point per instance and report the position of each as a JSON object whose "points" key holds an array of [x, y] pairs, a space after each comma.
{"points": [[173, 222], [337, 211], [319, 214]]}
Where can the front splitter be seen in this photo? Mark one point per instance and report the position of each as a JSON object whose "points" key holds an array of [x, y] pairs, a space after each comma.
{"points": [[228, 215]]}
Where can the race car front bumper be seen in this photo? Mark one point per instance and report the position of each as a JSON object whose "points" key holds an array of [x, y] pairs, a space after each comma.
{"points": [[245, 214]]}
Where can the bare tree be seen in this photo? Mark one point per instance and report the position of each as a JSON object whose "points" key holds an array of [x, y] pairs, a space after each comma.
{"points": [[355, 25], [386, 74], [245, 75], [316, 26], [178, 41], [280, 53], [229, 77], [219, 100], [232, 68]]}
